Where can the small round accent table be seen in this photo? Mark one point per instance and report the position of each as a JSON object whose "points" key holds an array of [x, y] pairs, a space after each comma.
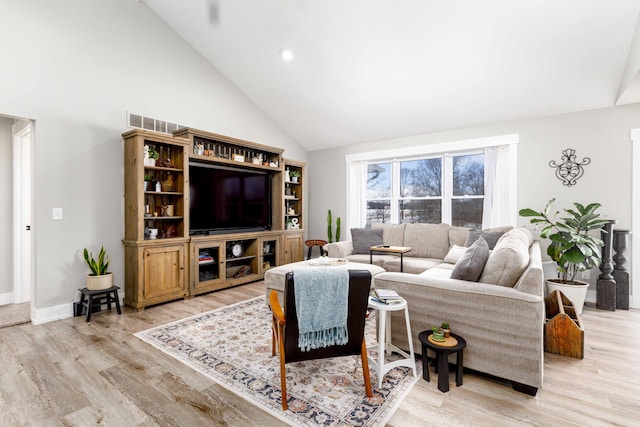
{"points": [[442, 359], [384, 339]]}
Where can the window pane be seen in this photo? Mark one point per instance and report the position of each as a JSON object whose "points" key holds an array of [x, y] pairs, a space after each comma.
{"points": [[378, 211], [429, 211], [379, 181], [468, 175], [421, 178], [467, 213]]}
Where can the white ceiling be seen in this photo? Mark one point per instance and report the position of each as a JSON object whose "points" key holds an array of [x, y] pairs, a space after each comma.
{"points": [[368, 70]]}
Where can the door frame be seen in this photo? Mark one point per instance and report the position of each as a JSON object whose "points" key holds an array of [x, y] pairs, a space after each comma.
{"points": [[23, 213], [634, 297]]}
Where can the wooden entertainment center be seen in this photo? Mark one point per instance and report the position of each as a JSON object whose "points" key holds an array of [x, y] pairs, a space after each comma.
{"points": [[164, 260]]}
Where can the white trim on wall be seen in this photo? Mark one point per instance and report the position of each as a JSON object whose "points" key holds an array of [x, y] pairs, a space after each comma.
{"points": [[634, 297]]}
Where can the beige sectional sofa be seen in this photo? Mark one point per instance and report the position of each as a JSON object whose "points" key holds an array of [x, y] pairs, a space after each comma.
{"points": [[501, 315]]}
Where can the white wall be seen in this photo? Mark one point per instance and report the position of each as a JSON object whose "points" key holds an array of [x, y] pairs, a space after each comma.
{"points": [[76, 67], [602, 135], [6, 208]]}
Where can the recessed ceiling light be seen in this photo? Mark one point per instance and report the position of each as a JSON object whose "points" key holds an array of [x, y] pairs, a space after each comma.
{"points": [[286, 54]]}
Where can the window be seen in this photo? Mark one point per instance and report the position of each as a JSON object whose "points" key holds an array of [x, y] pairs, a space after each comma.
{"points": [[430, 190], [471, 183]]}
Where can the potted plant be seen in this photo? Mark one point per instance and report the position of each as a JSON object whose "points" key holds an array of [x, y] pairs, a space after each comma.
{"points": [[150, 156], [294, 174], [573, 247], [100, 278]]}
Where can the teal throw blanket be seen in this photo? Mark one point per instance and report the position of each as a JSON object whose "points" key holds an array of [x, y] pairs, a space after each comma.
{"points": [[322, 304]]}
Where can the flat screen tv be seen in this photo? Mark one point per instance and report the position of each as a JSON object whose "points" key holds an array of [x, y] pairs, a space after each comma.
{"points": [[226, 200]]}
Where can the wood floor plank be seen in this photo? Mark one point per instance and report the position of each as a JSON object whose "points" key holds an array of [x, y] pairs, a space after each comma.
{"points": [[73, 373]]}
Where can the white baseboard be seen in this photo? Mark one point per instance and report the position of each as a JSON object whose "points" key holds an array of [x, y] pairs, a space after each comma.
{"points": [[49, 314], [8, 298]]}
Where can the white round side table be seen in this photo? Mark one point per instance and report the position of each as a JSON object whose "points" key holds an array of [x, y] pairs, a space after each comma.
{"points": [[384, 335]]}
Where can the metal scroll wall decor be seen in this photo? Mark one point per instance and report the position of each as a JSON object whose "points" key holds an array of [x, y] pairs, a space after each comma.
{"points": [[569, 171]]}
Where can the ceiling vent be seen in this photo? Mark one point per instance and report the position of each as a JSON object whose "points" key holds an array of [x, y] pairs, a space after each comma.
{"points": [[141, 122]]}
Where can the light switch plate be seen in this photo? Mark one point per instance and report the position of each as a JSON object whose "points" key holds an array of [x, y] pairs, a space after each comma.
{"points": [[56, 214]]}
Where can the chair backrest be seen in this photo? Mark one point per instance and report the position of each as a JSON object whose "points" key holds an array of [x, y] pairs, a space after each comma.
{"points": [[359, 287]]}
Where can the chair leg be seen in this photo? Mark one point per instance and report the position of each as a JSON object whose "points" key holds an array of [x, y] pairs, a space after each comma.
{"points": [[273, 337], [365, 369], [283, 372]]}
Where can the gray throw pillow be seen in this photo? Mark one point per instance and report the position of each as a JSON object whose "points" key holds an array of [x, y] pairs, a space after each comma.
{"points": [[470, 266], [364, 238], [490, 236]]}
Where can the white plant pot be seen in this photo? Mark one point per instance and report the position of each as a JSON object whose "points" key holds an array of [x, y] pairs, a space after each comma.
{"points": [[575, 292], [98, 283]]}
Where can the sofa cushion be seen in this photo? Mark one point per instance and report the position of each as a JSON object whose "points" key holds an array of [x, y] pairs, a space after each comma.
{"points": [[392, 234], [470, 266], [508, 260], [458, 236], [364, 238], [490, 235], [411, 265], [455, 253], [427, 240]]}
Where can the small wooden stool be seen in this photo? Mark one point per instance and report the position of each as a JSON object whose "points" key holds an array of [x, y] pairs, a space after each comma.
{"points": [[311, 243], [102, 296]]}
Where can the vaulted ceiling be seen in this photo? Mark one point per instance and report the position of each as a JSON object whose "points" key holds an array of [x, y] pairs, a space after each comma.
{"points": [[366, 70]]}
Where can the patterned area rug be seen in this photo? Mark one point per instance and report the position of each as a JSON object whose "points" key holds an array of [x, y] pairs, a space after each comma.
{"points": [[232, 346]]}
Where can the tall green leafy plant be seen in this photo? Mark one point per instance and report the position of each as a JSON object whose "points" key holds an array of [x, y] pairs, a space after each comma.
{"points": [[100, 266], [573, 247]]}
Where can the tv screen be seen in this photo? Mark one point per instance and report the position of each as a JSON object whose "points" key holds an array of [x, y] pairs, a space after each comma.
{"points": [[224, 199]]}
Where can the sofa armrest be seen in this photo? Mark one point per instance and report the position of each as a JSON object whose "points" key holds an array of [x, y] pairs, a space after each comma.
{"points": [[339, 249]]}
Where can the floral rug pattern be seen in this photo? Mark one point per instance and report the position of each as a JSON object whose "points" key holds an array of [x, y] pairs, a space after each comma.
{"points": [[232, 346]]}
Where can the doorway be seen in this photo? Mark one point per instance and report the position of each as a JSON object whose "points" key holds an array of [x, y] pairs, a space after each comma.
{"points": [[22, 149]]}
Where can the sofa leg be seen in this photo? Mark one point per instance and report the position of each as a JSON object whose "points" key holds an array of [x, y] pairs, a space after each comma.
{"points": [[523, 388]]}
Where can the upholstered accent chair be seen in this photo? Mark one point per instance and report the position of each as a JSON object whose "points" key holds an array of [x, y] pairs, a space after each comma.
{"points": [[285, 329]]}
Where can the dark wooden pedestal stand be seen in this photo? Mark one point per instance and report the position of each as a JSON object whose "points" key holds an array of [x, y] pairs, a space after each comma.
{"points": [[606, 285], [620, 272]]}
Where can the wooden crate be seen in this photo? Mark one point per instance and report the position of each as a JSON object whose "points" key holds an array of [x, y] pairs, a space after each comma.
{"points": [[563, 331]]}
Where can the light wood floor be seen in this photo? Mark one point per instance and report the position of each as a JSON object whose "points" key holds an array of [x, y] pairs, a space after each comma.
{"points": [[72, 373]]}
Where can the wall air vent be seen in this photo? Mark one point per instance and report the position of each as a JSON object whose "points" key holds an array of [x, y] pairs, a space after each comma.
{"points": [[141, 122]]}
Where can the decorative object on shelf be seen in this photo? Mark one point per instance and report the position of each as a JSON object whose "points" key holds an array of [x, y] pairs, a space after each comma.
{"points": [[100, 277], [606, 285], [167, 210], [237, 250], [294, 175], [150, 156], [295, 224], [266, 248], [238, 158], [273, 164], [329, 225], [569, 171], [167, 182], [266, 265], [151, 233], [158, 187], [198, 149], [170, 231], [620, 271], [287, 175], [573, 248], [291, 211], [257, 159]]}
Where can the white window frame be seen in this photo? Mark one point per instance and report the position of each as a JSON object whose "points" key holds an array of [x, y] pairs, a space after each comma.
{"points": [[356, 199]]}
